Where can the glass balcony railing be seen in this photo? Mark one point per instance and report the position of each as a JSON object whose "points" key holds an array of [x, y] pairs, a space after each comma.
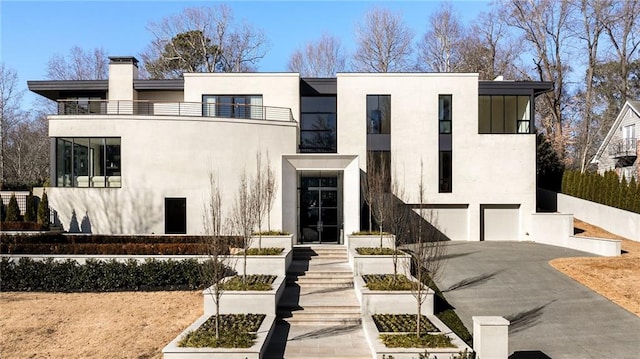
{"points": [[189, 109]]}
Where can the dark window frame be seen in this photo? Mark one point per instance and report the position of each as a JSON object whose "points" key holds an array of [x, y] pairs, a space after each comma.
{"points": [[377, 110], [518, 121], [445, 143], [332, 133], [110, 164], [233, 108]]}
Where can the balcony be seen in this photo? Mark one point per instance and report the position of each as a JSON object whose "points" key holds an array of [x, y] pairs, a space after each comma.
{"points": [[625, 148], [188, 109]]}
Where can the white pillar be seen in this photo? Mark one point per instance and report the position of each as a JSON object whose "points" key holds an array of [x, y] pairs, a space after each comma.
{"points": [[491, 337]]}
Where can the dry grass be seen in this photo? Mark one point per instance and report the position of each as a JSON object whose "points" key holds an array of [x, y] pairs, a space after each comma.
{"points": [[93, 325], [616, 278]]}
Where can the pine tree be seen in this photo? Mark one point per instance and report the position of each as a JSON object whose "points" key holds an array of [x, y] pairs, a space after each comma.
{"points": [[3, 213], [621, 193], [13, 211], [43, 211], [31, 211]]}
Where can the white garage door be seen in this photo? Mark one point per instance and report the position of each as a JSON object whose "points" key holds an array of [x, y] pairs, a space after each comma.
{"points": [[499, 222]]}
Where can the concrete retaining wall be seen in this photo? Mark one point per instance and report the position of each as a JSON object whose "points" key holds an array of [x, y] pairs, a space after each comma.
{"points": [[614, 220], [556, 229]]}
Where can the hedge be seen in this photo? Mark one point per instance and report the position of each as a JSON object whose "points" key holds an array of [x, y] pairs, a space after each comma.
{"points": [[64, 238], [607, 189], [100, 276]]}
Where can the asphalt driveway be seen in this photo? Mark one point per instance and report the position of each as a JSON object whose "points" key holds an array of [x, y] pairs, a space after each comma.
{"points": [[551, 315]]}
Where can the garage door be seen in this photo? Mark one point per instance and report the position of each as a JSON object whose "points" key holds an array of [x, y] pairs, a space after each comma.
{"points": [[499, 222]]}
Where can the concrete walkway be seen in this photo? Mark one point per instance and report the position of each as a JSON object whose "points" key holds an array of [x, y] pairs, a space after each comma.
{"points": [[319, 314], [551, 315]]}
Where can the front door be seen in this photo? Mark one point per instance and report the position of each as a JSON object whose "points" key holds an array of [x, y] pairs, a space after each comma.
{"points": [[319, 218]]}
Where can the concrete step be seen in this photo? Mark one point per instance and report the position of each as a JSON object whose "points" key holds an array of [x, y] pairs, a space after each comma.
{"points": [[321, 315]]}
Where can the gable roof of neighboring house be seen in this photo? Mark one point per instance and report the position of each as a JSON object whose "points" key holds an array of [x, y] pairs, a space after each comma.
{"points": [[629, 105]]}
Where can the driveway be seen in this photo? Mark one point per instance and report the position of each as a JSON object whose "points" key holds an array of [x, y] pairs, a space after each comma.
{"points": [[551, 315]]}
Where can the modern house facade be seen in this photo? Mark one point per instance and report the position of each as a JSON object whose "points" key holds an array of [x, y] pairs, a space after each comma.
{"points": [[620, 149], [133, 155]]}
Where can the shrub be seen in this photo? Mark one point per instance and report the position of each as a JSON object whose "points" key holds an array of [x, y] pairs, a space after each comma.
{"points": [[413, 341], [236, 331], [375, 251], [274, 232], [260, 282], [99, 276], [30, 212], [3, 213], [43, 211], [268, 251], [402, 323], [13, 211]]}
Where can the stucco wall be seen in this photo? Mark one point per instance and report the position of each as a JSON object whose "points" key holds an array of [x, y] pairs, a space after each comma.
{"points": [[169, 157], [487, 168]]}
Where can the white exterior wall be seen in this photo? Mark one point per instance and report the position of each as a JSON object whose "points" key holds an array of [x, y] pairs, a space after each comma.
{"points": [[487, 168], [169, 157]]}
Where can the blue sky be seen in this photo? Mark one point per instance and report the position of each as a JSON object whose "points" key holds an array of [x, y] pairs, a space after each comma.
{"points": [[33, 31]]}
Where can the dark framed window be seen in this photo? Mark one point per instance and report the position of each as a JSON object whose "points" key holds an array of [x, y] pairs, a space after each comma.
{"points": [[444, 113], [175, 216], [378, 114], [445, 172], [318, 124], [233, 106], [504, 114], [445, 145], [88, 162]]}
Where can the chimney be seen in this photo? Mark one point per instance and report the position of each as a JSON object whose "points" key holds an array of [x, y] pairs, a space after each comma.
{"points": [[122, 71]]}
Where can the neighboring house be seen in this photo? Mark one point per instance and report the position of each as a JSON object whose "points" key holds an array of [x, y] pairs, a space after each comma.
{"points": [[620, 149], [134, 156]]}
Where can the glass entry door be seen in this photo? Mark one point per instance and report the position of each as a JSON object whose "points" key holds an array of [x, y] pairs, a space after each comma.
{"points": [[319, 218]]}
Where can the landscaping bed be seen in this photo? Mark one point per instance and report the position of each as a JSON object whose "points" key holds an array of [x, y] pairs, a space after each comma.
{"points": [[388, 282], [402, 323], [375, 251], [259, 282], [236, 331]]}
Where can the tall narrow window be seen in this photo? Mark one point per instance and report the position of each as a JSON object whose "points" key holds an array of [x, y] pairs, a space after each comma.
{"points": [[445, 128], [318, 124]]}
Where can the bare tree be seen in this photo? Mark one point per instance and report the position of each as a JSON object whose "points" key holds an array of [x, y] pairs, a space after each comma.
{"points": [[545, 25], [427, 250], [10, 100], [593, 25], [79, 64], [244, 218], [321, 58], [376, 185], [398, 219], [258, 192], [488, 49], [438, 50], [27, 152], [215, 268], [202, 39], [271, 187], [384, 43]]}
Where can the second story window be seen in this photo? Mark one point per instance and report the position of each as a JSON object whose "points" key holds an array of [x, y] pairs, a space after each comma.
{"points": [[318, 124], [378, 114], [504, 114], [233, 106]]}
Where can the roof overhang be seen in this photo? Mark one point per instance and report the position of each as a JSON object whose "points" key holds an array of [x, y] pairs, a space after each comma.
{"points": [[60, 89], [534, 88]]}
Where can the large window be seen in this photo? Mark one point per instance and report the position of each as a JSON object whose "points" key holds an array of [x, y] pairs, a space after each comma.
{"points": [[378, 114], [504, 114], [318, 124], [88, 162], [233, 106]]}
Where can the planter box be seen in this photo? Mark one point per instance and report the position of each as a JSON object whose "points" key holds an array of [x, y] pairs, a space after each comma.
{"points": [[250, 301], [274, 265], [379, 349], [284, 241], [389, 302], [377, 264], [356, 240], [173, 351], [82, 258]]}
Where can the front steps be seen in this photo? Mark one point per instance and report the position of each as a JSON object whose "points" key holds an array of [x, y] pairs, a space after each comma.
{"points": [[319, 311]]}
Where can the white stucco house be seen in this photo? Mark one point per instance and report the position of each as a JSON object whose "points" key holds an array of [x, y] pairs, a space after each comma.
{"points": [[134, 155], [620, 149]]}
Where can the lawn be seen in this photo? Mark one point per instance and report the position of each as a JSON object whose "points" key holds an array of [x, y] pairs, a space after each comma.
{"points": [[94, 325], [617, 278]]}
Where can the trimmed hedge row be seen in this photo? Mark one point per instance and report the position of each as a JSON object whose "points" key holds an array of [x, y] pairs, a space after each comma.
{"points": [[65, 238], [100, 276], [22, 226], [609, 189], [108, 249]]}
